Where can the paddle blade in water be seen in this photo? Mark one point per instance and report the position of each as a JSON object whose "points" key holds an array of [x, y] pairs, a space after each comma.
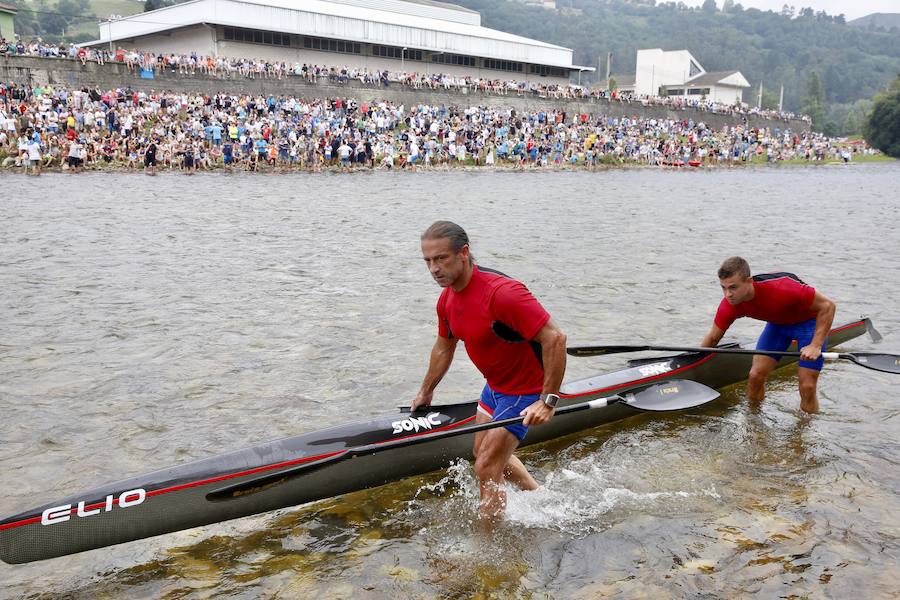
{"points": [[671, 395], [888, 363], [873, 333]]}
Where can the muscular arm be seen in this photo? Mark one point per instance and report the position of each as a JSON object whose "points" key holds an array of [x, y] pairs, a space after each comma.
{"points": [[441, 357], [824, 309], [553, 352], [713, 337]]}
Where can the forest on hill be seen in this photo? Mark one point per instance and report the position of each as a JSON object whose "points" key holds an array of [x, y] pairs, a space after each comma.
{"points": [[829, 70]]}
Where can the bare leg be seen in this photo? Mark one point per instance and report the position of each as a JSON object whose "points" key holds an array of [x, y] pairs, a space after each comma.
{"points": [[756, 383], [809, 379], [494, 452], [515, 472]]}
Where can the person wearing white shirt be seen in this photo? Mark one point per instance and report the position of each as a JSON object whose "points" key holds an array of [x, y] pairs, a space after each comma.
{"points": [[34, 156]]}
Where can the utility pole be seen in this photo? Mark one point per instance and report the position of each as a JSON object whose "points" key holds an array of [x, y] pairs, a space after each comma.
{"points": [[759, 101], [781, 100]]}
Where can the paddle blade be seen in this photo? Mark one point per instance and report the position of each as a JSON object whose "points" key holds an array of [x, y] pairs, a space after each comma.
{"points": [[873, 333], [677, 394], [887, 363], [583, 351]]}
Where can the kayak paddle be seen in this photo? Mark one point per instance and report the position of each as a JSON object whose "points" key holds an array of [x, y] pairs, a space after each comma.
{"points": [[886, 363], [677, 394]]}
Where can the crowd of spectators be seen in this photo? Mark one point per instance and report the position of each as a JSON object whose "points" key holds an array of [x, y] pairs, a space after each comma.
{"points": [[231, 68], [91, 128]]}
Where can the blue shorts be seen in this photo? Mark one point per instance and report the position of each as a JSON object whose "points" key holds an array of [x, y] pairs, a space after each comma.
{"points": [[779, 338], [499, 406]]}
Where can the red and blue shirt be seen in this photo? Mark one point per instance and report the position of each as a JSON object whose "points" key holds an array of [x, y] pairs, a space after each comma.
{"points": [[780, 298], [491, 302]]}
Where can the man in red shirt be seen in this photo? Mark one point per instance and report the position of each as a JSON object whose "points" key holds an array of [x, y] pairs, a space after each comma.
{"points": [[513, 342], [792, 310]]}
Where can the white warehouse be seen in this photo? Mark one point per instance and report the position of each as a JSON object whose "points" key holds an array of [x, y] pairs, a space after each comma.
{"points": [[410, 35]]}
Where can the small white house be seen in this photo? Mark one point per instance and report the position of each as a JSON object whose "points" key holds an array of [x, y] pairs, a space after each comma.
{"points": [[678, 73], [722, 86]]}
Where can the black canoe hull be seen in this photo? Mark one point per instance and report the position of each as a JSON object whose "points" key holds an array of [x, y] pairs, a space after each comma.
{"points": [[174, 499]]}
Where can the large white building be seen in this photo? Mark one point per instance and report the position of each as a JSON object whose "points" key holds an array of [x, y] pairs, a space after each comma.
{"points": [[410, 35], [678, 73]]}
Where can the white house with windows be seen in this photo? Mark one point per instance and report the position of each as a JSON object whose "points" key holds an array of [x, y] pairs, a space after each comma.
{"points": [[410, 35], [678, 73]]}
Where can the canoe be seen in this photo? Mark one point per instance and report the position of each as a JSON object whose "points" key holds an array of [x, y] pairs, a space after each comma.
{"points": [[198, 493]]}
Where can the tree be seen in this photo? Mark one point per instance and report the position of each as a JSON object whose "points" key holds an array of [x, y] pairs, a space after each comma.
{"points": [[25, 23], [851, 124], [814, 102], [50, 19], [728, 6], [882, 128], [709, 6], [154, 4], [769, 99]]}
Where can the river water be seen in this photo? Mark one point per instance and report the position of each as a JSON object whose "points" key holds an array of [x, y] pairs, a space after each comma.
{"points": [[148, 321]]}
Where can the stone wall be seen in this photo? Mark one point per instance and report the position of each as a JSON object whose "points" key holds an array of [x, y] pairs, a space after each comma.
{"points": [[59, 71]]}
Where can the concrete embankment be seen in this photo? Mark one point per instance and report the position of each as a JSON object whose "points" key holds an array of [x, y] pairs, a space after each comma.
{"points": [[58, 71]]}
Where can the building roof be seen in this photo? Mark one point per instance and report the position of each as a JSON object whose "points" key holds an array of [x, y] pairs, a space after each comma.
{"points": [[8, 8], [446, 5], [353, 20], [732, 78], [422, 8]]}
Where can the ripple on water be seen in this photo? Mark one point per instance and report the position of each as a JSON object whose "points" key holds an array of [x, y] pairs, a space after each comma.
{"points": [[183, 321]]}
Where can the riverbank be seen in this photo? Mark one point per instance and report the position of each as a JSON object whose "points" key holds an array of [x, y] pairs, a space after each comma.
{"points": [[463, 166]]}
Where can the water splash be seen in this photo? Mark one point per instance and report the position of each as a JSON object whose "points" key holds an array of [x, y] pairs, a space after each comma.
{"points": [[587, 495]]}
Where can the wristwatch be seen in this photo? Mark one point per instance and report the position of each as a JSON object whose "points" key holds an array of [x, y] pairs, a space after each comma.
{"points": [[550, 400]]}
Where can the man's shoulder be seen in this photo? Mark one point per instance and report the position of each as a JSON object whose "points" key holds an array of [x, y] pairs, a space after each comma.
{"points": [[781, 282], [777, 277]]}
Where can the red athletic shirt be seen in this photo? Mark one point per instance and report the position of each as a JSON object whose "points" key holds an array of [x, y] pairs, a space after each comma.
{"points": [[510, 368], [779, 298]]}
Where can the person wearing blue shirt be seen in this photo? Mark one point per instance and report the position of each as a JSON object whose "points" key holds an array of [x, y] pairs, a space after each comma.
{"points": [[215, 132], [261, 146]]}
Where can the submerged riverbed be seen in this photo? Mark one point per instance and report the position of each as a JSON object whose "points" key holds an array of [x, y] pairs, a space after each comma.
{"points": [[149, 321]]}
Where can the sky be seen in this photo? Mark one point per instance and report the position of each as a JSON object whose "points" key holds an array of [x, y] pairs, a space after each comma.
{"points": [[851, 9]]}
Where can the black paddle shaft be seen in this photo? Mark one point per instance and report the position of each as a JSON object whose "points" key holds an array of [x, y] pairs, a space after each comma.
{"points": [[878, 361]]}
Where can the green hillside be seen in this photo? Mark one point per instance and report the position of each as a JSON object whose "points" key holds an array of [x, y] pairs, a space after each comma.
{"points": [[68, 20], [878, 21], [852, 63], [102, 9]]}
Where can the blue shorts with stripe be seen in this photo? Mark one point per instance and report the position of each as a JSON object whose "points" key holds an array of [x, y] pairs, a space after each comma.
{"points": [[779, 338], [499, 406]]}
